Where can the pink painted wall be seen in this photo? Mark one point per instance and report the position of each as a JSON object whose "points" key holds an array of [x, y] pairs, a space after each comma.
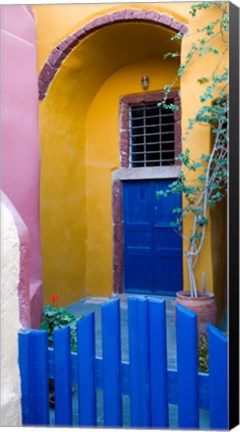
{"points": [[20, 155]]}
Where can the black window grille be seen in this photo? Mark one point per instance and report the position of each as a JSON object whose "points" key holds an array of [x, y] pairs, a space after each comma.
{"points": [[151, 130]]}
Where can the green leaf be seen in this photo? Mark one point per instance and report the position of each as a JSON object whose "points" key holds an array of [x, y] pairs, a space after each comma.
{"points": [[161, 193], [181, 70], [202, 178], [176, 54], [167, 88], [177, 37], [202, 221], [166, 55], [174, 224], [203, 80], [44, 326], [170, 106], [177, 210]]}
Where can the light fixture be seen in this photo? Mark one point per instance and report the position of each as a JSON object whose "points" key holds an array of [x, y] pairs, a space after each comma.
{"points": [[145, 82]]}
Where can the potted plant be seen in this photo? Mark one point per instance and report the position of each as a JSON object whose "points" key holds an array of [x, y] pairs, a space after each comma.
{"points": [[203, 182], [53, 318]]}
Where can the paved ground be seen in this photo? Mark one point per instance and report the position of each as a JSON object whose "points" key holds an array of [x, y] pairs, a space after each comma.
{"points": [[93, 304]]}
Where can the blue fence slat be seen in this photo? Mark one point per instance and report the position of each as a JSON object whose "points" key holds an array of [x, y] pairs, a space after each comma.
{"points": [[187, 365], [86, 371], [111, 348], [158, 363], [62, 376], [144, 361], [33, 363], [134, 375], [218, 378], [139, 362]]}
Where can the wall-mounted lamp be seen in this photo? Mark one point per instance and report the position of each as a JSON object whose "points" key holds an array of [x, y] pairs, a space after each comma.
{"points": [[145, 82]]}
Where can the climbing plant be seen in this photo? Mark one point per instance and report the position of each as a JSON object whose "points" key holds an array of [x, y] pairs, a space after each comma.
{"points": [[203, 182]]}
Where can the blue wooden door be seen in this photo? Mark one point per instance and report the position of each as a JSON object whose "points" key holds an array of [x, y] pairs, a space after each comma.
{"points": [[152, 249]]}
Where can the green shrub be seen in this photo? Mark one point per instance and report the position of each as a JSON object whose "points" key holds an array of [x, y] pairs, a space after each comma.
{"points": [[55, 318]]}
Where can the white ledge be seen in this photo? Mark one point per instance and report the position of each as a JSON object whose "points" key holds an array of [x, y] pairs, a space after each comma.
{"points": [[147, 173]]}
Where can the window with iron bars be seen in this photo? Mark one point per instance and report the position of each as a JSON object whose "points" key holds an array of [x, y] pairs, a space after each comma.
{"points": [[151, 131]]}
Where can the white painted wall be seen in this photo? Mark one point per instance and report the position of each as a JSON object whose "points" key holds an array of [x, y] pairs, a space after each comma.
{"points": [[10, 324]]}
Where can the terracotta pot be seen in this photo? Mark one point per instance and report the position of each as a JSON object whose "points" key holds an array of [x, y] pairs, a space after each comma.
{"points": [[205, 307]]}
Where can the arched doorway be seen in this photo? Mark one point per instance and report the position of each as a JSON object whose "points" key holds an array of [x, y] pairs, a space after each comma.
{"points": [[80, 117]]}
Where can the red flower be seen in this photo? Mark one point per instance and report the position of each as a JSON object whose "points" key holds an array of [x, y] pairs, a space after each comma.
{"points": [[54, 298]]}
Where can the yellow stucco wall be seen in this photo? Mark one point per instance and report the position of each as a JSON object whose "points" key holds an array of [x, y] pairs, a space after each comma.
{"points": [[200, 139], [79, 121]]}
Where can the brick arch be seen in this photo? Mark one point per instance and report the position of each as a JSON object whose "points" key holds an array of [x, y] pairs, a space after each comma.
{"points": [[61, 51]]}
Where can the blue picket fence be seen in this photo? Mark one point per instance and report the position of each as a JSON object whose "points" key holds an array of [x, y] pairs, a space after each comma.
{"points": [[151, 387]]}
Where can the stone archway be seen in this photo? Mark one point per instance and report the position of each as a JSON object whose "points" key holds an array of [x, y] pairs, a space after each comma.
{"points": [[61, 51]]}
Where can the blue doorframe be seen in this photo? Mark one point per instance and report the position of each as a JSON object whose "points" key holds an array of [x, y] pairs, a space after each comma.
{"points": [[152, 249]]}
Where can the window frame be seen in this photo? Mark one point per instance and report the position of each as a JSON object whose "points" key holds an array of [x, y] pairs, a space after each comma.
{"points": [[125, 103]]}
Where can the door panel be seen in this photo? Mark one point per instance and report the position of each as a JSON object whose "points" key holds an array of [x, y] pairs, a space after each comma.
{"points": [[152, 249], [138, 272]]}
